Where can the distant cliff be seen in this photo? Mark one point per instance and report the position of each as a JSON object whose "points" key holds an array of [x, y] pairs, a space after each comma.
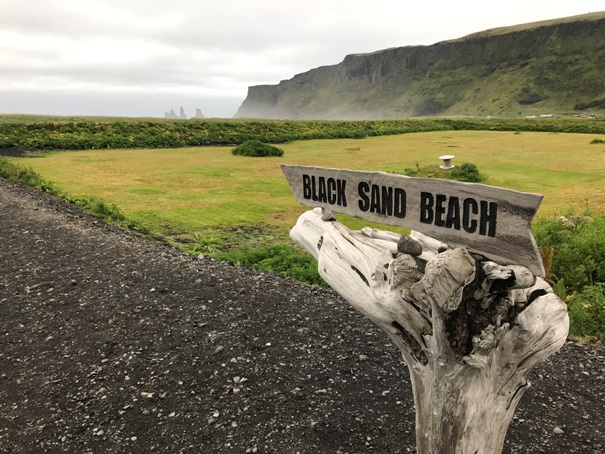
{"points": [[543, 67]]}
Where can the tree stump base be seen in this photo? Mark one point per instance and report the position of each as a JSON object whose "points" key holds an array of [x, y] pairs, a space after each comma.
{"points": [[470, 330]]}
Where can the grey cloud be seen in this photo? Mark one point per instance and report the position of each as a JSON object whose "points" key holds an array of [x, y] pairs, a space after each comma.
{"points": [[208, 49]]}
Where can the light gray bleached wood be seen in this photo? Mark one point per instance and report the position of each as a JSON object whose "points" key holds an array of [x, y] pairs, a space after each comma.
{"points": [[467, 331], [513, 242]]}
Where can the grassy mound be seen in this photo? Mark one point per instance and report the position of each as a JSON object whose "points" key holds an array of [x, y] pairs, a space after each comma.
{"points": [[256, 148]]}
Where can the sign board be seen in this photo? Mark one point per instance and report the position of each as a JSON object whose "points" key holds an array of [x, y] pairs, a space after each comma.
{"points": [[491, 221]]}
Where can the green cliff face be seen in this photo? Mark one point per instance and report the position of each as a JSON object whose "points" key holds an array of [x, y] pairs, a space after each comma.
{"points": [[540, 68]]}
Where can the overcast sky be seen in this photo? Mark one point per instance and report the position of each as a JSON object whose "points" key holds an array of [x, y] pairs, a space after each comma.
{"points": [[143, 57]]}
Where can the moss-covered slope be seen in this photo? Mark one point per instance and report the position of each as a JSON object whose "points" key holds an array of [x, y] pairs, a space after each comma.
{"points": [[540, 68]]}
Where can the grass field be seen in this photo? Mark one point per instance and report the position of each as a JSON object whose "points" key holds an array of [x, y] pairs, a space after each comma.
{"points": [[179, 192], [240, 209]]}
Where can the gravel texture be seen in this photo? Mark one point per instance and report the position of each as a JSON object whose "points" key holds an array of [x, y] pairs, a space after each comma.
{"points": [[113, 344]]}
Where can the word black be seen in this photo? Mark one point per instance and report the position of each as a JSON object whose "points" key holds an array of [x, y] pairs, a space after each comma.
{"points": [[325, 190]]}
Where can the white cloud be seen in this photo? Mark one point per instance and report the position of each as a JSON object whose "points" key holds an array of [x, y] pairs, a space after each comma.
{"points": [[143, 50]]}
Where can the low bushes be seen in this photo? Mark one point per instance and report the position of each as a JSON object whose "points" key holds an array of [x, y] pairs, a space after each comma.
{"points": [[573, 249], [466, 172], [600, 103], [576, 249], [280, 258], [256, 148], [587, 311], [68, 134], [19, 174]]}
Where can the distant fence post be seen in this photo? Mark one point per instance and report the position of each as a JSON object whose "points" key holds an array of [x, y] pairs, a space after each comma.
{"points": [[470, 327]]}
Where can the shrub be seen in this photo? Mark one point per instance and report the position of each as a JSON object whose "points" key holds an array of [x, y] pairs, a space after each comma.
{"points": [[573, 250], [590, 104], [99, 208], [19, 174], [587, 311], [597, 141], [280, 258], [257, 148], [204, 244], [69, 134], [466, 172], [578, 249]]}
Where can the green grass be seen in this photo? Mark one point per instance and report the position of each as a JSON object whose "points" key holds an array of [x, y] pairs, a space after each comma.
{"points": [[185, 190], [177, 192], [208, 201], [587, 312], [28, 177], [573, 247], [147, 191]]}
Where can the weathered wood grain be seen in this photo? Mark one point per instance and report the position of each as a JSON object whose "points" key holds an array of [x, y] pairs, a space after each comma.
{"points": [[469, 329], [492, 221]]}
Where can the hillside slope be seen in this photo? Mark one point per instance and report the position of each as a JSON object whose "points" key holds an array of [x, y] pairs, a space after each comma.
{"points": [[543, 67]]}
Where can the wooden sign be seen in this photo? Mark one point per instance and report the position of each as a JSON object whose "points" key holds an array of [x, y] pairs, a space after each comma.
{"points": [[491, 221]]}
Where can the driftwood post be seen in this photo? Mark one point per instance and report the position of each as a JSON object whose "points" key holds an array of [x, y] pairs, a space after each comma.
{"points": [[470, 328]]}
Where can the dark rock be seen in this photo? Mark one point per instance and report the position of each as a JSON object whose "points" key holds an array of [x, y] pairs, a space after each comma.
{"points": [[410, 246]]}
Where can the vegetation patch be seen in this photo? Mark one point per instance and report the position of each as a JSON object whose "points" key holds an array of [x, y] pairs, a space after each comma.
{"points": [[465, 172], [47, 133], [284, 259], [28, 177], [599, 103], [256, 148], [573, 252], [587, 312], [23, 175], [240, 210], [577, 246], [258, 246]]}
